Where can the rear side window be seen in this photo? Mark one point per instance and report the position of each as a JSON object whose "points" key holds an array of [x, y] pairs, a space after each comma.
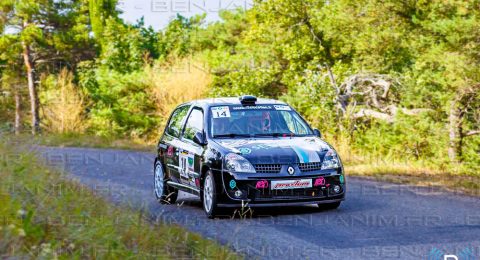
{"points": [[176, 121], [194, 124]]}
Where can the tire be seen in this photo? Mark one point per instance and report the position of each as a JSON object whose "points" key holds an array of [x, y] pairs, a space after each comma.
{"points": [[209, 195], [163, 193], [329, 206]]}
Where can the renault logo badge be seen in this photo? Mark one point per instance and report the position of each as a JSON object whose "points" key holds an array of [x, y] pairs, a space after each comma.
{"points": [[291, 170]]}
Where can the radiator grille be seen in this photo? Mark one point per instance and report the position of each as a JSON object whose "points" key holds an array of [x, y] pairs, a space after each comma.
{"points": [[268, 168], [310, 167]]}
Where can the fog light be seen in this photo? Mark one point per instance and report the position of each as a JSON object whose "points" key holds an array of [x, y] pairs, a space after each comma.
{"points": [[336, 189], [238, 193]]}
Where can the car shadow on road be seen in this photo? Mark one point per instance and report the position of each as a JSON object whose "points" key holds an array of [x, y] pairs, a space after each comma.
{"points": [[258, 212]]}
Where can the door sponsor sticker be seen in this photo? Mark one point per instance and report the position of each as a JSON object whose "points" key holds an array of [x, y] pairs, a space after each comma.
{"points": [[221, 112], [291, 184], [186, 162]]}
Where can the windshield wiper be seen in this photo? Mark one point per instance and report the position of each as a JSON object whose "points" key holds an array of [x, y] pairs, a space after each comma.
{"points": [[231, 135], [273, 134]]}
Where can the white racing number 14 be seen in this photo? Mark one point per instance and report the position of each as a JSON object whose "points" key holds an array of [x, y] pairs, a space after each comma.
{"points": [[220, 112]]}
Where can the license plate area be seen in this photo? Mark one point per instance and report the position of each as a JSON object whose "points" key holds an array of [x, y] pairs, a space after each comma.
{"points": [[291, 184]]}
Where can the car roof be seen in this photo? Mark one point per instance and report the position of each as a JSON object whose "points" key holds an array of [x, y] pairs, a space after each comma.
{"points": [[208, 102]]}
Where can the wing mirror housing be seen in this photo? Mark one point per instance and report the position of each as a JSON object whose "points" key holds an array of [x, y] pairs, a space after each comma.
{"points": [[317, 133], [199, 138]]}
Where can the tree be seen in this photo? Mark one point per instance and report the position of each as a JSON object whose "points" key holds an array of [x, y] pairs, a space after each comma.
{"points": [[48, 34], [100, 11]]}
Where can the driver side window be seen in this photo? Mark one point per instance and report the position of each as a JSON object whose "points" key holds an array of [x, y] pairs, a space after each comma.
{"points": [[293, 123], [194, 124]]}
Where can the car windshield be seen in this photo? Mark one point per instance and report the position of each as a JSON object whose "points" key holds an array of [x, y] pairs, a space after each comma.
{"points": [[255, 121]]}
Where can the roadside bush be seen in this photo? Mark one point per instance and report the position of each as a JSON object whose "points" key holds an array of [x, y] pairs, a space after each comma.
{"points": [[122, 104], [63, 104]]}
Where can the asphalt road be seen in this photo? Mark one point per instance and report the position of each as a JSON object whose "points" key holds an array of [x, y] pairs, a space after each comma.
{"points": [[377, 221]]}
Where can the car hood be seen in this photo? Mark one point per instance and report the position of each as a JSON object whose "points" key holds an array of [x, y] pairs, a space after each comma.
{"points": [[283, 150]]}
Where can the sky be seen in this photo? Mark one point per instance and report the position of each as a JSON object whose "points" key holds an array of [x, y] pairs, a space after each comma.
{"points": [[157, 13]]}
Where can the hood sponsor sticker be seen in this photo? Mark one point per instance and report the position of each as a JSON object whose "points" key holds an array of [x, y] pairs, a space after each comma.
{"points": [[221, 112], [291, 184], [245, 151]]}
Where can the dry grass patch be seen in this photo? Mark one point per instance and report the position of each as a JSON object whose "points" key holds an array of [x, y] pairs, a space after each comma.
{"points": [[179, 82]]}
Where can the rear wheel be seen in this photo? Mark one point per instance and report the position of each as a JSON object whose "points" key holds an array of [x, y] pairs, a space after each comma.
{"points": [[209, 195], [163, 193], [329, 206]]}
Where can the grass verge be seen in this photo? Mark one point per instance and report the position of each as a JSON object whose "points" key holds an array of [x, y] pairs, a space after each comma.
{"points": [[43, 215]]}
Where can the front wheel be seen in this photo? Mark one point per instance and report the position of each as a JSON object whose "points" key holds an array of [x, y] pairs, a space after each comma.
{"points": [[209, 195], [163, 193]]}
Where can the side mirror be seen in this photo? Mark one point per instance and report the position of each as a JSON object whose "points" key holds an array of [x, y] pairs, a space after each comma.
{"points": [[317, 133], [199, 139]]}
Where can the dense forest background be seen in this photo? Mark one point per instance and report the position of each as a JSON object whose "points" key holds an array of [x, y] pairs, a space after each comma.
{"points": [[390, 81]]}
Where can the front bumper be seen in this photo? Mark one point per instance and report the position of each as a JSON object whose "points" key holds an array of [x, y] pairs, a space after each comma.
{"points": [[323, 192]]}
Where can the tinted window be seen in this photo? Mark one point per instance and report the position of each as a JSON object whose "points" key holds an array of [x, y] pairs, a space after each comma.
{"points": [[175, 124], [294, 123], [194, 124]]}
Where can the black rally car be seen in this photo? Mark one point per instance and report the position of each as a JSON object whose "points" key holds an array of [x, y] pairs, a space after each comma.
{"points": [[246, 151]]}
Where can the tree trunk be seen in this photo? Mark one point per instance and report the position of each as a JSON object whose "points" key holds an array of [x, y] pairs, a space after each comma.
{"points": [[32, 88], [455, 135], [18, 107]]}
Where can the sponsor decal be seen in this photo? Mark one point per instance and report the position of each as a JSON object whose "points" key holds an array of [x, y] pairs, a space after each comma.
{"points": [[282, 108], [186, 163], [306, 156], [245, 150], [305, 148], [263, 184], [319, 182], [197, 182], [291, 184], [221, 112], [190, 161], [251, 107], [342, 179], [170, 151], [232, 184]]}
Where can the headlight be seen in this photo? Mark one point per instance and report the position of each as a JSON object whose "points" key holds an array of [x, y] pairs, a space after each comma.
{"points": [[330, 161], [236, 163]]}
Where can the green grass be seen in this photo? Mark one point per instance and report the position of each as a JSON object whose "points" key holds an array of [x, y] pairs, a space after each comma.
{"points": [[44, 215]]}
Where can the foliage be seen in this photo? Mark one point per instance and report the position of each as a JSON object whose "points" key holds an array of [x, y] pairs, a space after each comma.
{"points": [[303, 52], [121, 102]]}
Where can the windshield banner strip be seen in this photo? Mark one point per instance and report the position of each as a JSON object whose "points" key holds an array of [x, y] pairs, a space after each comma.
{"points": [[251, 107]]}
